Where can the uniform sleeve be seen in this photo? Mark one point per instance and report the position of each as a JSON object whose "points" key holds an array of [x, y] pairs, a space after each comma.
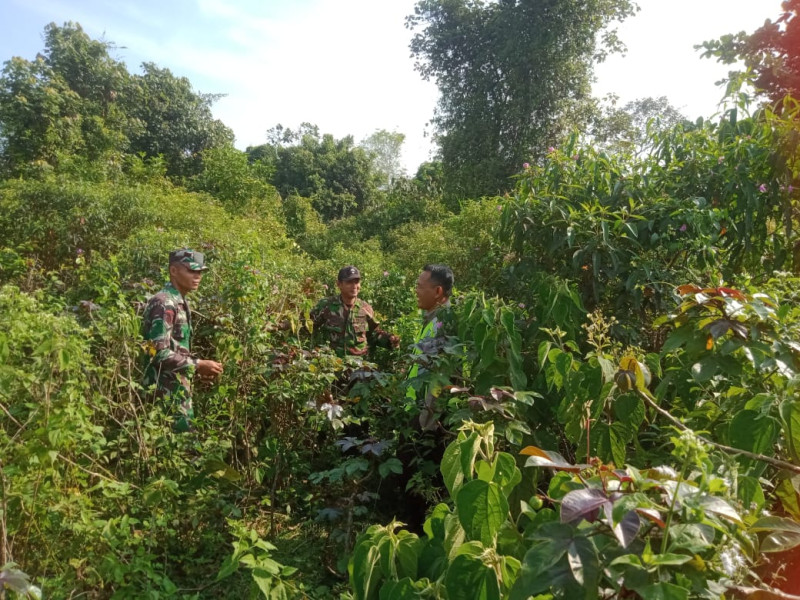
{"points": [[317, 317], [379, 336], [160, 322]]}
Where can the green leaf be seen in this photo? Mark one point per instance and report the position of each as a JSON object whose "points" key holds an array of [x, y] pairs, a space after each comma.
{"points": [[663, 591], [399, 590], [783, 534], [584, 564], [749, 430], [506, 473], [667, 558], [482, 509], [790, 413], [469, 579], [456, 456], [434, 525], [392, 465], [365, 575]]}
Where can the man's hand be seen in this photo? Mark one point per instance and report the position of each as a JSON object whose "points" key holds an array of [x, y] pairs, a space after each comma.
{"points": [[209, 369], [394, 341]]}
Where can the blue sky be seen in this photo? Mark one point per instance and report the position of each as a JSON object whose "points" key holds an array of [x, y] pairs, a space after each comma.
{"points": [[344, 64]]}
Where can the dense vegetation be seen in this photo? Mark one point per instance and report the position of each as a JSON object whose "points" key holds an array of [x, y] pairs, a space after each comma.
{"points": [[621, 406]]}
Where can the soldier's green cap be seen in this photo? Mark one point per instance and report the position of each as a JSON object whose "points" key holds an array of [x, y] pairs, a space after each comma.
{"points": [[196, 261]]}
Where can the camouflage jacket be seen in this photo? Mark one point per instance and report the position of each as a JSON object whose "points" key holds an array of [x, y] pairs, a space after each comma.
{"points": [[437, 326], [167, 330], [348, 331]]}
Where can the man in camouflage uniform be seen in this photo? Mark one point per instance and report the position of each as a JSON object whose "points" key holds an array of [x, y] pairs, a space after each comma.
{"points": [[346, 322], [167, 330], [438, 327]]}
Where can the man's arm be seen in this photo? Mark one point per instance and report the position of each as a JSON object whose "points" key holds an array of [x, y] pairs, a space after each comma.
{"points": [[161, 322], [380, 336]]}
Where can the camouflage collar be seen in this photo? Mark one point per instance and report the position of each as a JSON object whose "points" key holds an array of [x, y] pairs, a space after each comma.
{"points": [[172, 290], [431, 314]]}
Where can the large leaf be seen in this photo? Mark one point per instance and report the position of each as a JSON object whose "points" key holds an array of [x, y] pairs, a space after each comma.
{"points": [[366, 573], [469, 579], [783, 534], [719, 507], [506, 474], [584, 564], [457, 462], [749, 430], [482, 509], [399, 590], [583, 504]]}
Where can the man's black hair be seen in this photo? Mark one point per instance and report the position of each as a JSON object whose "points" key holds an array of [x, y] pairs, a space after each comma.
{"points": [[441, 275]]}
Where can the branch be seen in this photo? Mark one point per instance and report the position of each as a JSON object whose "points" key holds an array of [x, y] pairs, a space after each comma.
{"points": [[760, 457], [762, 593]]}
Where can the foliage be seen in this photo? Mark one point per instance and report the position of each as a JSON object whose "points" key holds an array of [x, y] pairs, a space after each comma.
{"points": [[616, 404], [708, 199], [385, 148], [770, 53], [336, 175], [489, 60], [75, 108]]}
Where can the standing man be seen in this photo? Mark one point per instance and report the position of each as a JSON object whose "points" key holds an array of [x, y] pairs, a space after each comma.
{"points": [[434, 287], [167, 330], [346, 322]]}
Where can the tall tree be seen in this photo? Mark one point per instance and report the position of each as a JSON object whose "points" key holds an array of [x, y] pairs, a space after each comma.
{"points": [[385, 148], [176, 120], [513, 76], [771, 53], [75, 102]]}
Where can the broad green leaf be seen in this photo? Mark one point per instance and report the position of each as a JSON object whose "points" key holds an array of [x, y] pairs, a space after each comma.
{"points": [[584, 564], [790, 499], [434, 525], [469, 579], [749, 430], [668, 559], [398, 590], [750, 492], [506, 473], [780, 541], [457, 462], [482, 509], [365, 576]]}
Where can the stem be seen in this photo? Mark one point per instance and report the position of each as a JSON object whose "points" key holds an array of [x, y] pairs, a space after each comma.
{"points": [[767, 593], [665, 539], [781, 464]]}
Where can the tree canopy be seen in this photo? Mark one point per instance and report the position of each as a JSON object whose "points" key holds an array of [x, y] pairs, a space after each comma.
{"points": [[335, 174], [513, 77], [771, 53], [75, 102]]}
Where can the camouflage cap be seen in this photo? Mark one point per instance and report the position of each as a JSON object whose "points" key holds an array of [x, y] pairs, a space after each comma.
{"points": [[348, 273], [194, 260]]}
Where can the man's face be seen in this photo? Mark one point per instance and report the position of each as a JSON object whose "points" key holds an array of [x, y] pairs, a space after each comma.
{"points": [[429, 295], [184, 279], [349, 289]]}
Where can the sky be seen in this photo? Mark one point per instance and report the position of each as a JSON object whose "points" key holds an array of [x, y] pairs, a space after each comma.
{"points": [[345, 65]]}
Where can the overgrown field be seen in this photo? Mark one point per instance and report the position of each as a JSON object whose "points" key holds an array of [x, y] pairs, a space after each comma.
{"points": [[621, 406]]}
